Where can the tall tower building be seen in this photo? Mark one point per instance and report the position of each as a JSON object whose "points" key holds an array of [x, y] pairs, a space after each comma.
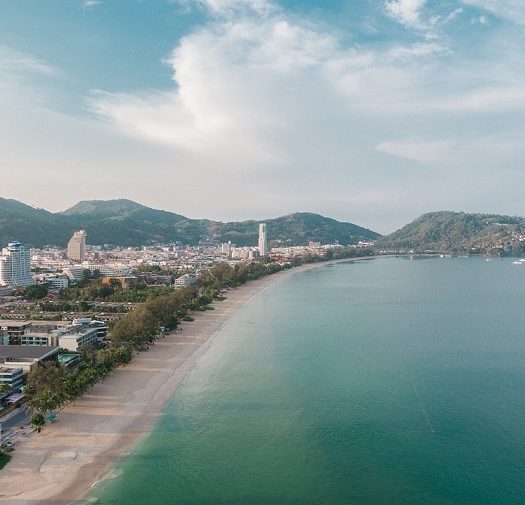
{"points": [[263, 242], [15, 266], [76, 247]]}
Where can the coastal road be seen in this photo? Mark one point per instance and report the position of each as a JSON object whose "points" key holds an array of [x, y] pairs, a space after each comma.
{"points": [[19, 417], [11, 431]]}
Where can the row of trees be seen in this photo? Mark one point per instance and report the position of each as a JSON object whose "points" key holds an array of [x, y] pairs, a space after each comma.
{"points": [[49, 387]]}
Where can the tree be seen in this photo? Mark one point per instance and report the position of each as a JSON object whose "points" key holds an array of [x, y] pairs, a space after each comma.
{"points": [[36, 292], [46, 388], [38, 421], [5, 388]]}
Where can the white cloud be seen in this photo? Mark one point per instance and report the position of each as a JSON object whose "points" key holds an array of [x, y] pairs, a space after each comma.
{"points": [[90, 3], [416, 50], [407, 12], [17, 62], [513, 10], [418, 150], [482, 20], [416, 15], [497, 98], [273, 113], [230, 7]]}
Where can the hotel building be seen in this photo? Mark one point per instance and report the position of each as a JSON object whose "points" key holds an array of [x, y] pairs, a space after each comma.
{"points": [[76, 247], [15, 266]]}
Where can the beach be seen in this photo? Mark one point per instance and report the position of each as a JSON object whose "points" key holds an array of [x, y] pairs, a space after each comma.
{"points": [[59, 465]]}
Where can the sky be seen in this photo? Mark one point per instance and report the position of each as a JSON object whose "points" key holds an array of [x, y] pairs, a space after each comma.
{"points": [[367, 111]]}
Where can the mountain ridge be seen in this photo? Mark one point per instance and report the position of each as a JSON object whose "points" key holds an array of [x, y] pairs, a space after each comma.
{"points": [[128, 223]]}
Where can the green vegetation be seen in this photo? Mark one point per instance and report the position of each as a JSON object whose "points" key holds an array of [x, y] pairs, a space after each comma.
{"points": [[460, 233], [49, 387], [127, 223], [141, 325], [45, 388], [4, 459], [35, 292], [38, 421]]}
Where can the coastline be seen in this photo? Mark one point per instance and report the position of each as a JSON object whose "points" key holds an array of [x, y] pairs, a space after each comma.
{"points": [[60, 465]]}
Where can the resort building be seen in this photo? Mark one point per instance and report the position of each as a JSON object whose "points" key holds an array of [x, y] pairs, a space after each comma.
{"points": [[15, 266], [263, 241], [12, 377], [55, 281], [76, 247], [14, 330], [49, 339], [78, 339], [185, 280], [25, 357]]}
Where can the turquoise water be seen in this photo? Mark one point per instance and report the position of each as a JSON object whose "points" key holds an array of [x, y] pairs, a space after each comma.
{"points": [[382, 382]]}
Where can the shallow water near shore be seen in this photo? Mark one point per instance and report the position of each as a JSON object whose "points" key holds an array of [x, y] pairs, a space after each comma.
{"points": [[390, 381]]}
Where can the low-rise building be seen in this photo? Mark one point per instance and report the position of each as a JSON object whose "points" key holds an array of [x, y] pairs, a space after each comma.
{"points": [[78, 339], [50, 339], [24, 356], [15, 330], [55, 281], [12, 377], [185, 280]]}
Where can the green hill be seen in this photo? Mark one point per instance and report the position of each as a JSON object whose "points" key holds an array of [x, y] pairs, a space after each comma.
{"points": [[459, 233], [127, 223]]}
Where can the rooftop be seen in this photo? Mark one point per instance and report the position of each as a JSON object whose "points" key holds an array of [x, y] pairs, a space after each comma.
{"points": [[14, 322], [9, 370], [14, 352]]}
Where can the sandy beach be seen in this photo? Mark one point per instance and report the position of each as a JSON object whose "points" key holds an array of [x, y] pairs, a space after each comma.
{"points": [[62, 463]]}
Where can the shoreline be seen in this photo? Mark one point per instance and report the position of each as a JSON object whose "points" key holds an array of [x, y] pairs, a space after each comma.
{"points": [[60, 465]]}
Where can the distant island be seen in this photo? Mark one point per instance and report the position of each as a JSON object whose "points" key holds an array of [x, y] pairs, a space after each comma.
{"points": [[127, 223]]}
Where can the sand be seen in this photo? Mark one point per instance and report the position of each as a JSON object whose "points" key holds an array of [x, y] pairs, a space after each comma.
{"points": [[61, 464]]}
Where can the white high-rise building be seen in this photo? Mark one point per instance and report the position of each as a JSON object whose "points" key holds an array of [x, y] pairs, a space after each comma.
{"points": [[76, 247], [15, 266], [263, 242]]}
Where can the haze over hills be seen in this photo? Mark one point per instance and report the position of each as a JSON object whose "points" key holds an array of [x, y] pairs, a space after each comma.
{"points": [[460, 233], [127, 223]]}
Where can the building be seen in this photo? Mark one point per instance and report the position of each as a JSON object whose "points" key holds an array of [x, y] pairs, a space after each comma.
{"points": [[86, 323], [49, 339], [12, 377], [55, 281], [226, 248], [78, 339], [76, 247], [263, 241], [14, 330], [15, 266], [25, 357], [184, 280]]}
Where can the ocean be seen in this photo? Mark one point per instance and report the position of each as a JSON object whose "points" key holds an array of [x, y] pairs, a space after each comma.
{"points": [[392, 381]]}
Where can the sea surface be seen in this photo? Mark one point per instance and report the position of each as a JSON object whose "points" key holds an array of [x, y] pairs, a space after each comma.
{"points": [[392, 381]]}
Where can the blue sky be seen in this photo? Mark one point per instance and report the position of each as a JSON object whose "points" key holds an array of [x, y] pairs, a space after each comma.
{"points": [[370, 111]]}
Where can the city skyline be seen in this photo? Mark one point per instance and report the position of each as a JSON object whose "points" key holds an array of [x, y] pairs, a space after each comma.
{"points": [[371, 112]]}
